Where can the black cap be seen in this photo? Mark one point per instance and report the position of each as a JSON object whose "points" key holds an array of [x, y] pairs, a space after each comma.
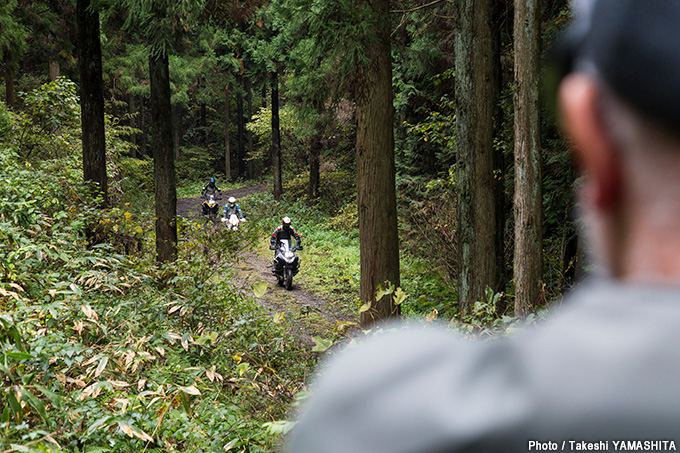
{"points": [[633, 46]]}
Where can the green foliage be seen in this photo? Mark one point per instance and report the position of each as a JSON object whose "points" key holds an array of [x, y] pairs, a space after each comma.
{"points": [[136, 174], [195, 164], [292, 132], [49, 127], [100, 347], [162, 22], [13, 33]]}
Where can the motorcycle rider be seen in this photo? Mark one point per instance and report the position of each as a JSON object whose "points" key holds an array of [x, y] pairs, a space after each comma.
{"points": [[284, 231], [210, 188], [232, 208]]}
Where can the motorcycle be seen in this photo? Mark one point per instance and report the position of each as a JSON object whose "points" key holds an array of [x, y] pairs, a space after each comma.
{"points": [[286, 264], [232, 222], [210, 207]]}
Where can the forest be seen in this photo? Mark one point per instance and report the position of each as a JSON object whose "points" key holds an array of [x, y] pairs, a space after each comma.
{"points": [[411, 142]]}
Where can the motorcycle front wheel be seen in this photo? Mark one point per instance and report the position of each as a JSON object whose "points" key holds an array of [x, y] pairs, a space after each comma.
{"points": [[288, 275]]}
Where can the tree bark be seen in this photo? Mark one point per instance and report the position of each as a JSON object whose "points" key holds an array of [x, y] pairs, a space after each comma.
{"points": [[134, 119], [315, 145], [314, 176], [376, 193], [176, 130], [92, 99], [53, 71], [276, 139], [227, 124], [476, 96], [203, 119], [249, 134], [164, 162], [528, 257], [241, 163]]}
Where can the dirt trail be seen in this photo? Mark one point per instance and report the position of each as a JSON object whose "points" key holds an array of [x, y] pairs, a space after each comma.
{"points": [[306, 313], [191, 207]]}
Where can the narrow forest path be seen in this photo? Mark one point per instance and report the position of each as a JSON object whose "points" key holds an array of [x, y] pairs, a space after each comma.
{"points": [[191, 207], [306, 313]]}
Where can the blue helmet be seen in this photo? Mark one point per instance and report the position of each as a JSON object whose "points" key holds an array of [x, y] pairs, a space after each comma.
{"points": [[212, 179]]}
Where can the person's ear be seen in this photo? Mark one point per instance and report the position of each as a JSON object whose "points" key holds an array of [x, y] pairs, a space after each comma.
{"points": [[595, 150]]}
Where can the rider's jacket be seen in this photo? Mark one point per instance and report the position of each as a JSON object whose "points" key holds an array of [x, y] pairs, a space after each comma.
{"points": [[210, 187], [229, 210], [284, 233]]}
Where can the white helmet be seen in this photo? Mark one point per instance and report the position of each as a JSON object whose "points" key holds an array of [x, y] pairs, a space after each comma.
{"points": [[286, 221], [231, 200]]}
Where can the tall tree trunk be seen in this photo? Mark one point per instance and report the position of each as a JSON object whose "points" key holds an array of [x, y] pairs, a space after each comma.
{"points": [[164, 163], [144, 127], [276, 139], [502, 161], [9, 82], [92, 98], [528, 258], [314, 177], [376, 193], [249, 134], [314, 157], [476, 96], [227, 151], [203, 121], [134, 119], [53, 71], [241, 129]]}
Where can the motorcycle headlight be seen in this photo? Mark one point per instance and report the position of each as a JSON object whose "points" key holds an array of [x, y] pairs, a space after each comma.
{"points": [[289, 254]]}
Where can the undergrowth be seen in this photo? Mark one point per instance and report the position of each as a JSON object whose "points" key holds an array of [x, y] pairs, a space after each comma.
{"points": [[101, 348]]}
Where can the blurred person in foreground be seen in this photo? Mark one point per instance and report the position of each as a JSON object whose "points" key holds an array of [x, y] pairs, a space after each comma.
{"points": [[606, 368]]}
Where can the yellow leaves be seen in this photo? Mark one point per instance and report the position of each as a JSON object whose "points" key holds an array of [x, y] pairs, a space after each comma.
{"points": [[191, 390], [260, 289], [128, 358], [127, 215], [321, 344], [365, 307], [16, 286], [341, 327], [78, 326], [89, 312], [213, 375], [91, 391], [124, 403], [279, 317], [101, 366], [237, 357], [432, 316], [134, 432], [182, 309], [399, 296], [12, 294]]}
